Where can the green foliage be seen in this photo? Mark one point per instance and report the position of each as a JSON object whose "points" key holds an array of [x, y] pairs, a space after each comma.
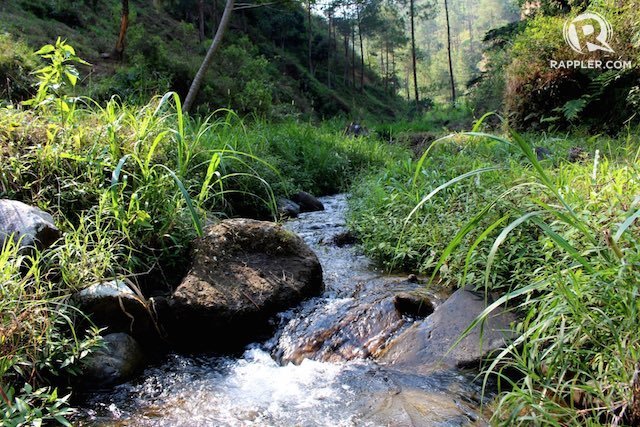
{"points": [[250, 88], [16, 63], [557, 239], [38, 340], [577, 356], [538, 96], [33, 407], [56, 79], [130, 187]]}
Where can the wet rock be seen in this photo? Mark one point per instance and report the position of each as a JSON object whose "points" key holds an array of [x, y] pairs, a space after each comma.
{"points": [[244, 271], [543, 153], [287, 208], [307, 202], [416, 407], [426, 345], [117, 307], [35, 227], [414, 304], [348, 329], [412, 278], [352, 327], [118, 361], [577, 154], [343, 239]]}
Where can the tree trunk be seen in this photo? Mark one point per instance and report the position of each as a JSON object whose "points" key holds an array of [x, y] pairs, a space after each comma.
{"points": [[384, 76], [361, 54], [394, 87], [330, 53], [201, 20], [453, 84], [217, 40], [386, 85], [346, 59], [124, 25], [353, 55], [413, 52], [407, 85], [309, 36]]}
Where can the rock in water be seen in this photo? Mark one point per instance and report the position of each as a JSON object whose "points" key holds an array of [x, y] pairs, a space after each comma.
{"points": [[307, 202], [287, 208], [32, 225], [117, 307], [118, 361], [426, 345], [414, 304], [244, 271]]}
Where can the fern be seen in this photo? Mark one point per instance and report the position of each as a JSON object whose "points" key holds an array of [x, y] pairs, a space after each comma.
{"points": [[573, 108]]}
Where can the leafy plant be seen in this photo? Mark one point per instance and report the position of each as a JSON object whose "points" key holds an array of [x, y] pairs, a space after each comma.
{"points": [[56, 78]]}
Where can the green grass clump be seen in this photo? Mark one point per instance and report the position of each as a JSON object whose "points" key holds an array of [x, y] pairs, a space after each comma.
{"points": [[557, 239]]}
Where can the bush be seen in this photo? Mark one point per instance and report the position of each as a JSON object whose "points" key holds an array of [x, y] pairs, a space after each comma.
{"points": [[539, 96]]}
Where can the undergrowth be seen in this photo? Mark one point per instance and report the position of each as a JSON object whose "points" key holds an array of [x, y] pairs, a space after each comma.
{"points": [[129, 187], [557, 239]]}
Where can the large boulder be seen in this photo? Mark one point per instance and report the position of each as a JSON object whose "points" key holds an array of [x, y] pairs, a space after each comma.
{"points": [[426, 345], [117, 307], [33, 226], [307, 202], [119, 359], [244, 271]]}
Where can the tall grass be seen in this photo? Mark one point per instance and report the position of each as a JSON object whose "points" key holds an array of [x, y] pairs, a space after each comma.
{"points": [[557, 239], [577, 358], [38, 339]]}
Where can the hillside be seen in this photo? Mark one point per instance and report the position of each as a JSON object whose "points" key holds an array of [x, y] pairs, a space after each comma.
{"points": [[258, 70]]}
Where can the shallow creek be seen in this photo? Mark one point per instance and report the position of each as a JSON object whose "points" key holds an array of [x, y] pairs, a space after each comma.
{"points": [[318, 369]]}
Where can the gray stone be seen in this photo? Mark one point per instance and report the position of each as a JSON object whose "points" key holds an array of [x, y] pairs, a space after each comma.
{"points": [[118, 361], [287, 208], [244, 271], [414, 303], [33, 226], [426, 345], [116, 306], [307, 202]]}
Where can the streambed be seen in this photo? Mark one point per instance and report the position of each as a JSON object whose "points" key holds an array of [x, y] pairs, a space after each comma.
{"points": [[318, 369]]}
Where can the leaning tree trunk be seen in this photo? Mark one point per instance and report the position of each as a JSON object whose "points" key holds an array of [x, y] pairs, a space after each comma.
{"points": [[217, 40], [453, 84], [124, 25]]}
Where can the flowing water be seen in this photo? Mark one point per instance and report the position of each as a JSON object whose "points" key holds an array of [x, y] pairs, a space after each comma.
{"points": [[319, 368]]}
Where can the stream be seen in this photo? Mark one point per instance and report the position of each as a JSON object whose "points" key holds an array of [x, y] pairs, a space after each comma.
{"points": [[318, 369]]}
